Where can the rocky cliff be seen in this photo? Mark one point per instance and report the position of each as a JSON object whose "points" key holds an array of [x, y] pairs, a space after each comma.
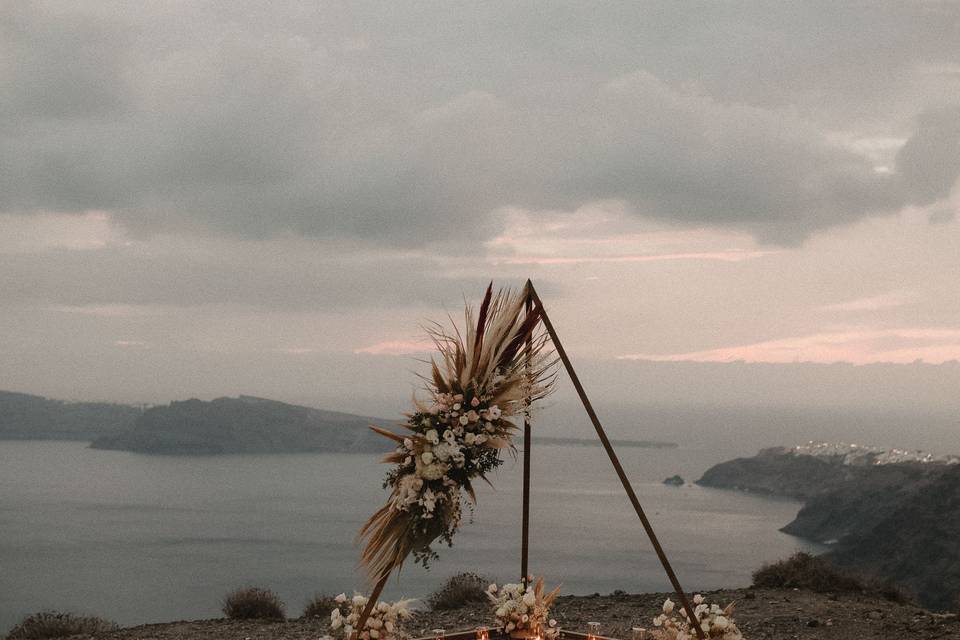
{"points": [[28, 417], [894, 517], [245, 425]]}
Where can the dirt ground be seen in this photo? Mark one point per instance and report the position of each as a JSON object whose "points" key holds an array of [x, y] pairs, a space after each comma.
{"points": [[760, 614]]}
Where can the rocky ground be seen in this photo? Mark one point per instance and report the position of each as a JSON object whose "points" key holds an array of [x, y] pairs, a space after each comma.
{"points": [[760, 613]]}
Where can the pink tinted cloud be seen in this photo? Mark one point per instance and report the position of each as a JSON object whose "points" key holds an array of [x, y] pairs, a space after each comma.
{"points": [[859, 346], [396, 348]]}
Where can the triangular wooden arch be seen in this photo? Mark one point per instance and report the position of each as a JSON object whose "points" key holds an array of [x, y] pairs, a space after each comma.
{"points": [[533, 300]]}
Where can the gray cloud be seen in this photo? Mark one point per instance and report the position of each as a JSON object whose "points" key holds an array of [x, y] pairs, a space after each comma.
{"points": [[402, 125], [930, 161], [243, 277]]}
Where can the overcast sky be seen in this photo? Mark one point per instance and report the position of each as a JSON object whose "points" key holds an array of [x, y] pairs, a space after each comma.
{"points": [[207, 198]]}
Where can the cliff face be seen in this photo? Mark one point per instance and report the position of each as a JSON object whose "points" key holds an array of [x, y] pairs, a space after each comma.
{"points": [[29, 417], [916, 543], [899, 521], [244, 425], [775, 472]]}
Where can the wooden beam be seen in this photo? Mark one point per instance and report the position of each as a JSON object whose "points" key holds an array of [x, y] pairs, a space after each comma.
{"points": [[527, 437], [562, 354]]}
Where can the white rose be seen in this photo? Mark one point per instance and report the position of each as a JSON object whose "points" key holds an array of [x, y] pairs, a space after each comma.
{"points": [[698, 599], [529, 599], [668, 606], [432, 436], [427, 457], [464, 420], [359, 600], [374, 633], [469, 438]]}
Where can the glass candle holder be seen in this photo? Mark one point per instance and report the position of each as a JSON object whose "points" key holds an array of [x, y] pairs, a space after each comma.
{"points": [[483, 633], [593, 630], [638, 633], [439, 634]]}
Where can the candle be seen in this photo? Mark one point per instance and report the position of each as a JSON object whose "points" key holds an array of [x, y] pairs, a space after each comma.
{"points": [[483, 633], [639, 633], [593, 630], [438, 634]]}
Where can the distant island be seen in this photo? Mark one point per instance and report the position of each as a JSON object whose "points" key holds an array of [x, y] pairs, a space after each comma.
{"points": [[29, 417], [595, 442], [889, 514], [244, 425]]}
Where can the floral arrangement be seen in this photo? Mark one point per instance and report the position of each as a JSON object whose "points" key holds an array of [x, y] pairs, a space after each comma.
{"points": [[384, 623], [524, 611], [715, 622], [486, 376]]}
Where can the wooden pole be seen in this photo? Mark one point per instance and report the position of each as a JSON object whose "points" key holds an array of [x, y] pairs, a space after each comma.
{"points": [[527, 437], [371, 603], [615, 461]]}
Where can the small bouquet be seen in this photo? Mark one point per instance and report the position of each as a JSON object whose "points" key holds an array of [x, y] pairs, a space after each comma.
{"points": [[385, 621], [524, 612], [715, 622]]}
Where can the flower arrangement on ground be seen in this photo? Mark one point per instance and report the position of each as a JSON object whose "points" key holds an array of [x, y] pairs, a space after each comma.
{"points": [[486, 376], [524, 611], [384, 623], [715, 622]]}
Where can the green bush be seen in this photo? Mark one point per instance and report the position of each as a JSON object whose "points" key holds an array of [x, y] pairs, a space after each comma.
{"points": [[320, 606], [53, 624], [252, 603], [459, 590]]}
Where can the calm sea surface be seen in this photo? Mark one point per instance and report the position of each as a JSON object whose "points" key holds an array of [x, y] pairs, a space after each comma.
{"points": [[146, 539]]}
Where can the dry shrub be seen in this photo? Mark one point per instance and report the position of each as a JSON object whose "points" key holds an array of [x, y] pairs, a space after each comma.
{"points": [[53, 624], [803, 571], [252, 603], [459, 590], [320, 606]]}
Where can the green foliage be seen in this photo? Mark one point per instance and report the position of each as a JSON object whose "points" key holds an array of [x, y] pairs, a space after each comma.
{"points": [[459, 590], [252, 603], [53, 624], [320, 607]]}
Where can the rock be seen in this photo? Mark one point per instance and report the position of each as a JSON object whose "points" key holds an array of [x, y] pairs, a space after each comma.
{"points": [[674, 481]]}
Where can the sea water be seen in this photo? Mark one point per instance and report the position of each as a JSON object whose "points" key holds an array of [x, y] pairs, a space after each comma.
{"points": [[138, 538]]}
